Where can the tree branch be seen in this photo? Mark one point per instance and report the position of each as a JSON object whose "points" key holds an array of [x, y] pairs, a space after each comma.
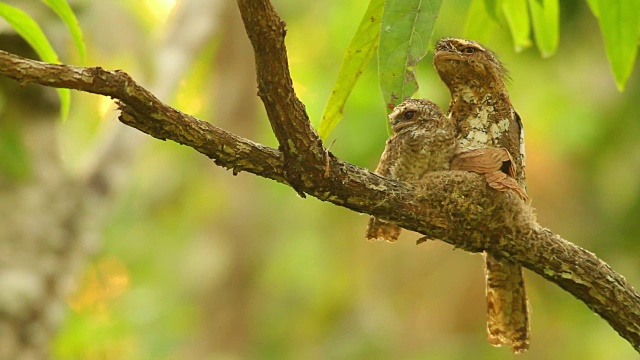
{"points": [[299, 142], [453, 206]]}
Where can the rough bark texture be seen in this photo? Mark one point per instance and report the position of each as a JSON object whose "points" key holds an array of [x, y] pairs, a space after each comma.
{"points": [[453, 206]]}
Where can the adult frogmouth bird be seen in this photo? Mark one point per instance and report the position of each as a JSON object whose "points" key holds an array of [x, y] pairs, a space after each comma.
{"points": [[481, 109], [423, 140]]}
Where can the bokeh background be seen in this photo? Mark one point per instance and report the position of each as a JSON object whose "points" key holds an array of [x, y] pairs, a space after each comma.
{"points": [[191, 262]]}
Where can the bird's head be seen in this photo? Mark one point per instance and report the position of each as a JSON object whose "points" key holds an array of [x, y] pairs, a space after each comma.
{"points": [[461, 62], [415, 112]]}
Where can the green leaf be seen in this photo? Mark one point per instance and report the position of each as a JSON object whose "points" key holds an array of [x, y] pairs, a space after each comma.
{"points": [[26, 27], [62, 8], [405, 32], [620, 25], [593, 4], [516, 15], [545, 15], [65, 102], [358, 54], [479, 25], [491, 7]]}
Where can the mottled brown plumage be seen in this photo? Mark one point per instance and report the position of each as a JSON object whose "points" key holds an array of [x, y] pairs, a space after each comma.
{"points": [[496, 164], [423, 140], [485, 118], [480, 104]]}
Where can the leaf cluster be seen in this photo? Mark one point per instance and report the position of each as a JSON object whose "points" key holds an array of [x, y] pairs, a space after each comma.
{"points": [[401, 33]]}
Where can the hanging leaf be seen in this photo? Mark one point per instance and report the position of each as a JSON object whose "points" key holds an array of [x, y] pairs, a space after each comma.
{"points": [[405, 33], [620, 25], [545, 15], [62, 8], [26, 27], [516, 15], [479, 25], [491, 6], [358, 54]]}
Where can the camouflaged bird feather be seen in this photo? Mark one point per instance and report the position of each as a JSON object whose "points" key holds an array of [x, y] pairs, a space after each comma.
{"points": [[483, 113], [423, 140]]}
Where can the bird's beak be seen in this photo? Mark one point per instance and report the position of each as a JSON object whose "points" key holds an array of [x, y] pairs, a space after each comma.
{"points": [[443, 55], [400, 126]]}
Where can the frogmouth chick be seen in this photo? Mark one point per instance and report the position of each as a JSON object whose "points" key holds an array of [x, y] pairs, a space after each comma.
{"points": [[423, 140]]}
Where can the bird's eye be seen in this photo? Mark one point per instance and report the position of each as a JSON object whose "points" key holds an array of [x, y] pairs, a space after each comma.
{"points": [[408, 115], [469, 50]]}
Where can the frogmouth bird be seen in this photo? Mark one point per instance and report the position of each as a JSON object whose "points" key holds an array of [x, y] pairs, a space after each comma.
{"points": [[485, 119], [423, 140]]}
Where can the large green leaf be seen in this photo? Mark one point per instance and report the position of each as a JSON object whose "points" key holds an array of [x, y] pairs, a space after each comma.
{"points": [[26, 27], [516, 15], [480, 25], [358, 54], [620, 25], [491, 7], [593, 4], [405, 32], [545, 15], [62, 8]]}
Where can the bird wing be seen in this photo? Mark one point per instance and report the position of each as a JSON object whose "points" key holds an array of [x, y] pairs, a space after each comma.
{"points": [[484, 160], [495, 164]]}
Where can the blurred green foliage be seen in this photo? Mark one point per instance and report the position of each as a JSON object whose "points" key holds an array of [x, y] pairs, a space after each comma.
{"points": [[29, 29], [199, 264], [620, 25]]}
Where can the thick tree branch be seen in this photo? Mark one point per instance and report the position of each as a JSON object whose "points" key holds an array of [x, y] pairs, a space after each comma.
{"points": [[232, 152], [455, 207], [299, 142]]}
